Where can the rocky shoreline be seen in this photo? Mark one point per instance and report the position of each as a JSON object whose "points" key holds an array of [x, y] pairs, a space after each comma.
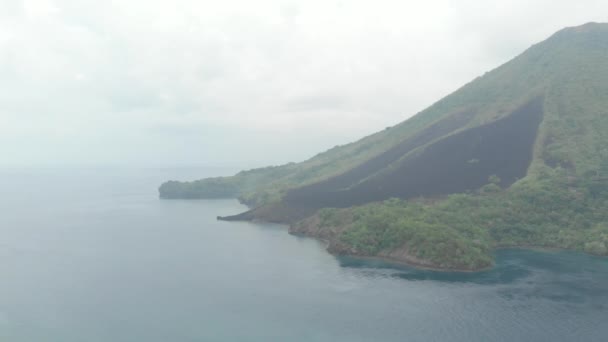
{"points": [[310, 227], [302, 221]]}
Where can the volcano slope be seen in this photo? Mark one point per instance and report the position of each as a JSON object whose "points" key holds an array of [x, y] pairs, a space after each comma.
{"points": [[517, 157], [460, 162]]}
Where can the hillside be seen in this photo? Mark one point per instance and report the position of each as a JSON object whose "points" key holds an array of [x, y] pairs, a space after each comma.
{"points": [[516, 157]]}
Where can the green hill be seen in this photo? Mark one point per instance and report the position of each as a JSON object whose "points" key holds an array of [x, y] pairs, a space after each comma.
{"points": [[517, 157]]}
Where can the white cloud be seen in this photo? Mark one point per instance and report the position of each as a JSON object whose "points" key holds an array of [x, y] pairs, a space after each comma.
{"points": [[207, 81]]}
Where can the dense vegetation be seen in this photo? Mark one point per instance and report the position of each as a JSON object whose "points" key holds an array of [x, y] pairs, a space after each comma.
{"points": [[461, 230]]}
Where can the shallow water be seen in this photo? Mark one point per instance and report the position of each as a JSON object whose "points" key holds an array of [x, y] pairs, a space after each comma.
{"points": [[93, 255]]}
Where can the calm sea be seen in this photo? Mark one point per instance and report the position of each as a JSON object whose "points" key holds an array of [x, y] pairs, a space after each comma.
{"points": [[94, 255]]}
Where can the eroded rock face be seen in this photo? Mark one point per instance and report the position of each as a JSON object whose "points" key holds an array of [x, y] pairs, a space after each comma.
{"points": [[456, 163], [379, 162]]}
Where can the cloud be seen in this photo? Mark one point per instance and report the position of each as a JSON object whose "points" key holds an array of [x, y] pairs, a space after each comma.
{"points": [[266, 81]]}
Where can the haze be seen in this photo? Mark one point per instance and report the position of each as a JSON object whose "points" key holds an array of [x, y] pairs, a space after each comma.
{"points": [[248, 83]]}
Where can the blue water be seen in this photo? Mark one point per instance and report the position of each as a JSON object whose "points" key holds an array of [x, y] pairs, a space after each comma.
{"points": [[94, 255]]}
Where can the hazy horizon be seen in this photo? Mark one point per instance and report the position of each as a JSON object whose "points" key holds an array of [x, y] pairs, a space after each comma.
{"points": [[122, 124], [239, 84]]}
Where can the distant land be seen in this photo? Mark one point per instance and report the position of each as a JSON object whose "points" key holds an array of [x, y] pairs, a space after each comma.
{"points": [[516, 158]]}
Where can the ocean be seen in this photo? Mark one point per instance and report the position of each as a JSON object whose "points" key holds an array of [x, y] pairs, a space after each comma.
{"points": [[92, 254]]}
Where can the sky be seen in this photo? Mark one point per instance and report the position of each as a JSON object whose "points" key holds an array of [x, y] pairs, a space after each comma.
{"points": [[248, 83]]}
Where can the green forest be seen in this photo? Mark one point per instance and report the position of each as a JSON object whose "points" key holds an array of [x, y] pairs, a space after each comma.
{"points": [[461, 230]]}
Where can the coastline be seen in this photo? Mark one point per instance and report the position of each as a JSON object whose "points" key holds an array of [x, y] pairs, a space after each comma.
{"points": [[540, 248], [327, 243], [329, 246], [417, 266], [305, 229]]}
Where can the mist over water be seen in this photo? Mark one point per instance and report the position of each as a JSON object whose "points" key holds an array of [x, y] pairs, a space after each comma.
{"points": [[94, 255]]}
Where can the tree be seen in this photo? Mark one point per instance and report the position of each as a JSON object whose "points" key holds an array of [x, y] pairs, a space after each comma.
{"points": [[494, 179]]}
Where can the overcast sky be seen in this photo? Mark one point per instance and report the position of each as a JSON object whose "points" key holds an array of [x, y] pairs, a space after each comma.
{"points": [[241, 82]]}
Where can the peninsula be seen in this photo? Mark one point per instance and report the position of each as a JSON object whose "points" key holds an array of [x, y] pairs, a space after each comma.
{"points": [[518, 157]]}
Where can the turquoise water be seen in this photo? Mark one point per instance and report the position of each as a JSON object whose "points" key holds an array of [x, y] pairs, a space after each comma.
{"points": [[93, 255]]}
